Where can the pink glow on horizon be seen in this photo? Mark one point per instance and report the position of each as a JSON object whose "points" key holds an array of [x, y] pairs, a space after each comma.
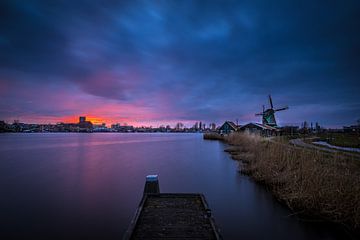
{"points": [[70, 104], [54, 104], [99, 120]]}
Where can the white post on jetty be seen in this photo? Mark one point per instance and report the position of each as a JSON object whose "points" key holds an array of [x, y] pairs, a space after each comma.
{"points": [[152, 185]]}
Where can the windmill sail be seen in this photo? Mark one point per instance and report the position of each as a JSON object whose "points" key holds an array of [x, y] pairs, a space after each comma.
{"points": [[271, 103], [281, 109]]}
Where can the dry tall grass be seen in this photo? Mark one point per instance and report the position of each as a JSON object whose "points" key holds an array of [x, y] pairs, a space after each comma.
{"points": [[308, 181], [213, 136]]}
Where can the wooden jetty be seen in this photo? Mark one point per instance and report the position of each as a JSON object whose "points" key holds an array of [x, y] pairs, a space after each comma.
{"points": [[171, 215]]}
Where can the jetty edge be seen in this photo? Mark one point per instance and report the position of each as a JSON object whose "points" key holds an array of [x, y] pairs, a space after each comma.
{"points": [[171, 215]]}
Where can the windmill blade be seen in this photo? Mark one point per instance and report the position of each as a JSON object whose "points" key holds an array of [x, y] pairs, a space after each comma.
{"points": [[259, 114], [263, 108], [281, 109], [270, 100]]}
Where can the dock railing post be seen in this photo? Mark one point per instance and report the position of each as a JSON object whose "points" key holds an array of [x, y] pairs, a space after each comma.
{"points": [[152, 185]]}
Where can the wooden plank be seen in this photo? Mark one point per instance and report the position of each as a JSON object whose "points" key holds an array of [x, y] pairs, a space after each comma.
{"points": [[173, 216], [133, 223]]}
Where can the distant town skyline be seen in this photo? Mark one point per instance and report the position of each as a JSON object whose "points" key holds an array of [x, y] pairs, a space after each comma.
{"points": [[195, 124], [99, 121], [161, 62]]}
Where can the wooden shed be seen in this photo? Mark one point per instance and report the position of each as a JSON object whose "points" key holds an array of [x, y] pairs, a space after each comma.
{"points": [[228, 127]]}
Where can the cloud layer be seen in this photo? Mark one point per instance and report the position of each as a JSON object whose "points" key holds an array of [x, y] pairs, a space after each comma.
{"points": [[152, 62]]}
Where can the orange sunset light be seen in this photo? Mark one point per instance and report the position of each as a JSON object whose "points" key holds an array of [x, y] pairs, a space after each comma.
{"points": [[93, 119]]}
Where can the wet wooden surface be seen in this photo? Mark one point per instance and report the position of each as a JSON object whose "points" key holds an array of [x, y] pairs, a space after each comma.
{"points": [[173, 216]]}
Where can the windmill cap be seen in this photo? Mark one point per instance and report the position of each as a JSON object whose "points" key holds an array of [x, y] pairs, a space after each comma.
{"points": [[152, 178]]}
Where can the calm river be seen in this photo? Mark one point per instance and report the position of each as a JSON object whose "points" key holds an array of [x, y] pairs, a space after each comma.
{"points": [[87, 186]]}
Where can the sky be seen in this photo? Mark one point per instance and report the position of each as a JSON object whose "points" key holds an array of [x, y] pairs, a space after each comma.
{"points": [[162, 62]]}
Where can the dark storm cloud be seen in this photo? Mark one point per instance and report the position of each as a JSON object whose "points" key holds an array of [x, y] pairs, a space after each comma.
{"points": [[218, 59]]}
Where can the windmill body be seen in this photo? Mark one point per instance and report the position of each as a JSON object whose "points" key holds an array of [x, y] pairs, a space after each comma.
{"points": [[268, 118], [268, 115]]}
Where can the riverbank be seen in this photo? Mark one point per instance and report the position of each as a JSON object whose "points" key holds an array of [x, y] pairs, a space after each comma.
{"points": [[347, 140], [309, 144], [327, 145], [320, 185]]}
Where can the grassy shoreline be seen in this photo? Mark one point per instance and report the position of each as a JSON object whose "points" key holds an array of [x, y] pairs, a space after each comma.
{"points": [[313, 183]]}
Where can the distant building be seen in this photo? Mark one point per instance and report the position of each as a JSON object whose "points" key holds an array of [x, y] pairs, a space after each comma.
{"points": [[228, 127], [82, 119], [3, 126], [125, 128], [352, 129], [196, 126], [84, 126], [212, 126], [289, 130], [100, 128]]}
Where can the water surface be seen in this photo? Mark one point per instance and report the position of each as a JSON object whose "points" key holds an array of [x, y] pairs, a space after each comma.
{"points": [[87, 186]]}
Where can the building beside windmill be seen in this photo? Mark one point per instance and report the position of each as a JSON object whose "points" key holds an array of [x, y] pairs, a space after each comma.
{"points": [[268, 127], [260, 129]]}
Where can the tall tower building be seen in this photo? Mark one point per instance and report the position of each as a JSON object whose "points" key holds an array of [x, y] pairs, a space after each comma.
{"points": [[82, 119]]}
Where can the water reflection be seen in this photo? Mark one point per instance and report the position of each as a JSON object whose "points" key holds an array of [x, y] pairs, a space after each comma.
{"points": [[87, 186]]}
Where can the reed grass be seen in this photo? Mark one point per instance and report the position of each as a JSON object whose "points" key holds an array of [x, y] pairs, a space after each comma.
{"points": [[315, 183], [213, 136]]}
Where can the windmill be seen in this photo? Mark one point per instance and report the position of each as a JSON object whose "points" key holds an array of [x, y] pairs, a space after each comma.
{"points": [[268, 115]]}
